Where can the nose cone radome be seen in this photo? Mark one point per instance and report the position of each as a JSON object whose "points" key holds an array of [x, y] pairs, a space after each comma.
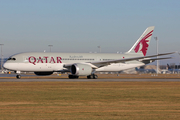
{"points": [[5, 65], [9, 66]]}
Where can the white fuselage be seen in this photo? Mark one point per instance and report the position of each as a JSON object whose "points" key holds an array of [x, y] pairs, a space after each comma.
{"points": [[42, 62]]}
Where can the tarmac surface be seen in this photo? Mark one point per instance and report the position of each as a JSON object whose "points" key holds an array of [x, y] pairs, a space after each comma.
{"points": [[89, 80], [101, 78], [34, 78]]}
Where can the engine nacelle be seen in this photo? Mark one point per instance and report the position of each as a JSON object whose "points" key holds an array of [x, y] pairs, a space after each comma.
{"points": [[81, 69], [43, 73]]}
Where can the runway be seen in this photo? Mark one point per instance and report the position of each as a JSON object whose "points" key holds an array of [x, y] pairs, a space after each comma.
{"points": [[64, 78], [89, 80]]}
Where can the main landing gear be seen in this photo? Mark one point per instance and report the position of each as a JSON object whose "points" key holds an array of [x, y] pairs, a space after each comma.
{"points": [[93, 76], [73, 77]]}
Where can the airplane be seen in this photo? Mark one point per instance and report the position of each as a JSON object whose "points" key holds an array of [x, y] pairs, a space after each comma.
{"points": [[170, 70], [83, 64], [142, 70]]}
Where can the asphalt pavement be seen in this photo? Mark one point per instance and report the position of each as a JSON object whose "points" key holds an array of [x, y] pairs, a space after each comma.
{"points": [[32, 78]]}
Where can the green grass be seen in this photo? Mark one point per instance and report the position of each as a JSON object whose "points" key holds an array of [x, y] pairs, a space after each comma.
{"points": [[90, 100]]}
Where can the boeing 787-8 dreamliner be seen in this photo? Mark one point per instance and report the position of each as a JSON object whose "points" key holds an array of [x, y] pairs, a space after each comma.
{"points": [[83, 64]]}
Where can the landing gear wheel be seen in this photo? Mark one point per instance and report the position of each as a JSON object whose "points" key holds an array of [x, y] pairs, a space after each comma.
{"points": [[18, 76], [95, 76], [73, 77], [89, 77], [92, 76]]}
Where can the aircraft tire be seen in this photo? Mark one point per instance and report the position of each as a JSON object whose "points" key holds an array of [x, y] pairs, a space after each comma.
{"points": [[92, 76], [95, 76], [18, 76], [89, 77], [73, 77]]}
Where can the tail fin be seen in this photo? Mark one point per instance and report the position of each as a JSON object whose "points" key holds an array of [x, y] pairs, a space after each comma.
{"points": [[142, 44], [168, 67]]}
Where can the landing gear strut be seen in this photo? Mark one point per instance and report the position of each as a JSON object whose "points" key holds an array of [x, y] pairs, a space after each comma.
{"points": [[93, 76]]}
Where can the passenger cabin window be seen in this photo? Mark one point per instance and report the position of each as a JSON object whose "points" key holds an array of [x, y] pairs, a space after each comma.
{"points": [[11, 58]]}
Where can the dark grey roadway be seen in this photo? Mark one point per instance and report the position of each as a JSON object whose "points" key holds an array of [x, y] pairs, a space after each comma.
{"points": [[89, 80], [13, 79]]}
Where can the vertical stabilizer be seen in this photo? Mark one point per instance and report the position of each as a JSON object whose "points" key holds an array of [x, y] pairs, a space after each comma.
{"points": [[142, 44]]}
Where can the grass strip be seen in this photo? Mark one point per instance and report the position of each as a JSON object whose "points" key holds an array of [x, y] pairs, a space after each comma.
{"points": [[90, 100]]}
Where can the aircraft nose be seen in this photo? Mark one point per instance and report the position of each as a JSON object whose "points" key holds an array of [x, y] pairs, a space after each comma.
{"points": [[10, 66], [7, 65]]}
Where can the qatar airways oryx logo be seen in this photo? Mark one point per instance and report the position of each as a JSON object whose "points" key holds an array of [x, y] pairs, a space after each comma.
{"points": [[44, 59], [144, 43]]}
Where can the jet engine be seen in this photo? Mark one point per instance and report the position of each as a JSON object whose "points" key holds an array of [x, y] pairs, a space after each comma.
{"points": [[81, 69], [43, 73]]}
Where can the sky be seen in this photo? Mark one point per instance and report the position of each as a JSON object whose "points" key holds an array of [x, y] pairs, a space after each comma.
{"points": [[82, 25]]}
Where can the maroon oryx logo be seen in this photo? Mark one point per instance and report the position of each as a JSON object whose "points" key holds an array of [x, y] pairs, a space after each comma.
{"points": [[144, 44]]}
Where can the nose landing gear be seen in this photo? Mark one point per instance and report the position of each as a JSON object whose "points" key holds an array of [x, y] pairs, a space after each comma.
{"points": [[18, 76]]}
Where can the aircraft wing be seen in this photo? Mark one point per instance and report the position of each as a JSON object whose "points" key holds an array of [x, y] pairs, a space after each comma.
{"points": [[141, 59], [153, 59]]}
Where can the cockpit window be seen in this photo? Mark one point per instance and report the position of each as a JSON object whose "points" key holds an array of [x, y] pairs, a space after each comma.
{"points": [[11, 58]]}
